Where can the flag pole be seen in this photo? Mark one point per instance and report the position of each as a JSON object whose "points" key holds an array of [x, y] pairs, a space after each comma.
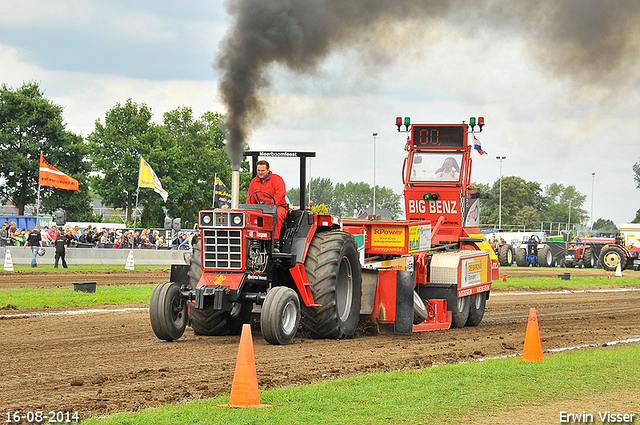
{"points": [[137, 192], [135, 220], [215, 181], [38, 201]]}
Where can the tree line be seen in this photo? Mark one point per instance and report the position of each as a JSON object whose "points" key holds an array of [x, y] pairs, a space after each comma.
{"points": [[187, 152]]}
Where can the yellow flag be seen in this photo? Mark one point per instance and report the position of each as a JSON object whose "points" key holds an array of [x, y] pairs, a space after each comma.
{"points": [[147, 178]]}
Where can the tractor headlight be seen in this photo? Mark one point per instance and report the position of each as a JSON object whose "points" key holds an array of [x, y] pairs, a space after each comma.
{"points": [[237, 220], [206, 218]]}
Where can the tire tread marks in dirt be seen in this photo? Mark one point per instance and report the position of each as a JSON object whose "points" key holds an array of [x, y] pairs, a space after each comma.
{"points": [[329, 253]]}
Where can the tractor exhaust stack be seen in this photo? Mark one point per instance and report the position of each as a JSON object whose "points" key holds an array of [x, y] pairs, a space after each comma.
{"points": [[235, 188]]}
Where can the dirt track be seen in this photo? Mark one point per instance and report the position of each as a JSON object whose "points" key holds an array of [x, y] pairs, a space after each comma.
{"points": [[110, 360]]}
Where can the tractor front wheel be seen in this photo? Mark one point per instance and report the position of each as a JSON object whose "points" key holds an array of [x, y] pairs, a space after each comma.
{"points": [[168, 311], [280, 315], [333, 270]]}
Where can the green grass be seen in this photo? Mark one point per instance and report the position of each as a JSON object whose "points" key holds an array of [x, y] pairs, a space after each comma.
{"points": [[48, 268], [449, 394], [35, 298], [576, 282]]}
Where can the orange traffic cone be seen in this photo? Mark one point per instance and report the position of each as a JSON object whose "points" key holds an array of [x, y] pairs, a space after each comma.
{"points": [[244, 391], [532, 349]]}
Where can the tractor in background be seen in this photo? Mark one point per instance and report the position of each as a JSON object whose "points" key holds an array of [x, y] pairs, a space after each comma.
{"points": [[617, 253], [580, 254], [533, 252], [433, 270]]}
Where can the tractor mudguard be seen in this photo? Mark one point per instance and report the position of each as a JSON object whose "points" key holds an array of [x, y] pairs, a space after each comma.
{"points": [[302, 283]]}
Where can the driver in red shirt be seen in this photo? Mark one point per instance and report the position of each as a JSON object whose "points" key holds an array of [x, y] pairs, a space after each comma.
{"points": [[266, 181]]}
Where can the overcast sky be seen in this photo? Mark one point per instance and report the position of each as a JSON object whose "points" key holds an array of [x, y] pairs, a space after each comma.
{"points": [[558, 87]]}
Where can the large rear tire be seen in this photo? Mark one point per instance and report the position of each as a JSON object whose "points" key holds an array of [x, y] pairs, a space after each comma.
{"points": [[589, 260], [207, 321], [168, 311], [545, 256], [505, 255], [611, 256], [477, 305], [460, 312], [333, 270], [521, 257], [280, 315]]}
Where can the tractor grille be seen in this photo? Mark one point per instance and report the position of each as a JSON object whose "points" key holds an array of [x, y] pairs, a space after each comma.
{"points": [[222, 249]]}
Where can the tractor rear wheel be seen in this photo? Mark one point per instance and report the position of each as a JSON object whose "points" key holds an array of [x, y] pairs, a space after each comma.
{"points": [[280, 315], [477, 304], [333, 270], [460, 312], [587, 256], [505, 255], [521, 257], [207, 321], [168, 311], [545, 256], [611, 256]]}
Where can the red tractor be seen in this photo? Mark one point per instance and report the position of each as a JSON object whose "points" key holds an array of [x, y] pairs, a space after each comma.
{"points": [[580, 254], [433, 270], [617, 253]]}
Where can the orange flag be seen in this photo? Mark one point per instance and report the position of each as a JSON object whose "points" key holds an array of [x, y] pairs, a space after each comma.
{"points": [[51, 176]]}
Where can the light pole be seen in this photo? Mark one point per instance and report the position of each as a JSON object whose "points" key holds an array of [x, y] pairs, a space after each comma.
{"points": [[500, 158], [374, 172], [593, 181]]}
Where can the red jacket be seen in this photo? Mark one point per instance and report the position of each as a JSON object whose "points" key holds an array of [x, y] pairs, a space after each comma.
{"points": [[272, 184]]}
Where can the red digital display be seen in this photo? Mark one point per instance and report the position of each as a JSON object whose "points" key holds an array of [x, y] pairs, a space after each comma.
{"points": [[438, 136]]}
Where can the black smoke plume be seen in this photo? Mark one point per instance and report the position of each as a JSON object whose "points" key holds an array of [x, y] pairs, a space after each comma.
{"points": [[586, 40]]}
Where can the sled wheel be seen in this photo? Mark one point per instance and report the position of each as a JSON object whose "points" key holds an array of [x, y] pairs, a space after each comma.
{"points": [[280, 315], [168, 311], [333, 269], [419, 309], [477, 304], [460, 312]]}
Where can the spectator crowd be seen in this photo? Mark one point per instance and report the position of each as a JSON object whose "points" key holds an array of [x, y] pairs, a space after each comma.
{"points": [[93, 237]]}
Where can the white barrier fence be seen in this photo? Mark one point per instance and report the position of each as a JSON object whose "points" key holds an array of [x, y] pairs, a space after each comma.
{"points": [[20, 255]]}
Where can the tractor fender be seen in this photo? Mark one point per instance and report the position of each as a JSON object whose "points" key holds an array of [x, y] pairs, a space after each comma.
{"points": [[301, 280]]}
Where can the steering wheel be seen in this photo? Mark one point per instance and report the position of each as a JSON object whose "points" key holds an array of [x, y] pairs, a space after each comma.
{"points": [[260, 201]]}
